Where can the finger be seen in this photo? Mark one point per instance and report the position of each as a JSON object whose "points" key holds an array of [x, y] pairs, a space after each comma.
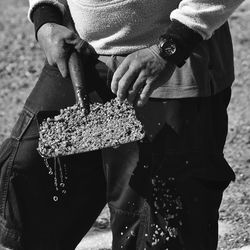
{"points": [[120, 71], [145, 94], [62, 66], [126, 82], [72, 38], [73, 41], [49, 59], [137, 87], [81, 46]]}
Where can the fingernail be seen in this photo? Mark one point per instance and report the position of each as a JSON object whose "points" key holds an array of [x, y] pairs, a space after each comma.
{"points": [[113, 90], [120, 96], [139, 103]]}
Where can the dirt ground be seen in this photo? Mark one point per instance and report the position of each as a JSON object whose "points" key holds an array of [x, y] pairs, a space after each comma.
{"points": [[21, 61]]}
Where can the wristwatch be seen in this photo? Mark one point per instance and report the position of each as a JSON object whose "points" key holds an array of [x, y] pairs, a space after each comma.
{"points": [[169, 51]]}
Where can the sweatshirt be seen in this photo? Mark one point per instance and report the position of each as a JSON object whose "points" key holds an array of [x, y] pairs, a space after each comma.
{"points": [[123, 26], [120, 27]]}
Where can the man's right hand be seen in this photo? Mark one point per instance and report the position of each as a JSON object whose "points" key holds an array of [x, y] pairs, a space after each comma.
{"points": [[58, 41]]}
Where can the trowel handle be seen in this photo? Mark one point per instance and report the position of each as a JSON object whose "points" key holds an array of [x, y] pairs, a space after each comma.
{"points": [[78, 79]]}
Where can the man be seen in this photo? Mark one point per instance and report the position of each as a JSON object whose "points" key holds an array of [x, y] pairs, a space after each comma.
{"points": [[172, 60]]}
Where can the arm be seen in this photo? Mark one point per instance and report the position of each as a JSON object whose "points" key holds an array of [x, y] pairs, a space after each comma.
{"points": [[60, 5], [55, 32], [193, 21], [47, 11], [204, 16]]}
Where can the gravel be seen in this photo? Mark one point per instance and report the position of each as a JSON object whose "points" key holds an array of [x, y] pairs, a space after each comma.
{"points": [[72, 132]]}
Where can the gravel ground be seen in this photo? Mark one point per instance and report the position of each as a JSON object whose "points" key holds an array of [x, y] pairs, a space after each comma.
{"points": [[22, 60]]}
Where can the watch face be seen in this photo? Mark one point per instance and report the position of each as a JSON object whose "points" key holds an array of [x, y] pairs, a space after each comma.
{"points": [[168, 47]]}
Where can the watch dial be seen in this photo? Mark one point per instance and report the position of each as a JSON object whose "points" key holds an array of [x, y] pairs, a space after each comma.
{"points": [[170, 49]]}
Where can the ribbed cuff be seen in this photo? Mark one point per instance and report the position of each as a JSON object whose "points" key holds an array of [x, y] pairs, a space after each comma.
{"points": [[46, 13], [185, 39]]}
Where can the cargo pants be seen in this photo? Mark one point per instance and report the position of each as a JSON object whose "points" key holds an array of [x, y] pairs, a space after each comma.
{"points": [[163, 192]]}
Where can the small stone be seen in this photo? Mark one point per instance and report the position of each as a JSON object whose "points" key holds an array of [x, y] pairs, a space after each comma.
{"points": [[107, 125]]}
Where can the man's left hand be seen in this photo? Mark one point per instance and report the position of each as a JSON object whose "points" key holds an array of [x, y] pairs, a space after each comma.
{"points": [[139, 74]]}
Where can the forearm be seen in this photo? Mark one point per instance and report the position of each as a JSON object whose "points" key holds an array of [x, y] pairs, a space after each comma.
{"points": [[194, 21], [46, 11], [34, 4], [204, 16]]}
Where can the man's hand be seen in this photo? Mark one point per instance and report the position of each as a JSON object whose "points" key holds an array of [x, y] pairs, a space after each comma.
{"points": [[140, 74], [58, 41]]}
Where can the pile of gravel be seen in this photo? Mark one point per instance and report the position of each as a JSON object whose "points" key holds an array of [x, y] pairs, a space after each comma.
{"points": [[72, 132]]}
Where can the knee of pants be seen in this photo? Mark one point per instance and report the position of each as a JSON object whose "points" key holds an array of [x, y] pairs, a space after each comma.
{"points": [[27, 190], [201, 201]]}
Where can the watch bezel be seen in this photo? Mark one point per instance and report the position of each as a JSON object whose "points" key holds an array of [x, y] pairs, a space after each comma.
{"points": [[167, 47]]}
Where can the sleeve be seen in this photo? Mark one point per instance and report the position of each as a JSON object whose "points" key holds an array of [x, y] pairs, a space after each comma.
{"points": [[194, 21], [204, 16], [185, 40], [34, 4]]}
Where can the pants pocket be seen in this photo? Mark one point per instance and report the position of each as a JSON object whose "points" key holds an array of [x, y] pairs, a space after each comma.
{"points": [[10, 219], [10, 233]]}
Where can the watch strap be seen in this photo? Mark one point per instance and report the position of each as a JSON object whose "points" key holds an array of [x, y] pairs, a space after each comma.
{"points": [[173, 52], [185, 40]]}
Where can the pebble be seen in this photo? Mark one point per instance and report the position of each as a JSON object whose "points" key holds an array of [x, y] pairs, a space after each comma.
{"points": [[71, 132]]}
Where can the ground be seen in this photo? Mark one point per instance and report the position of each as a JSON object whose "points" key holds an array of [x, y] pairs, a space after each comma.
{"points": [[22, 60]]}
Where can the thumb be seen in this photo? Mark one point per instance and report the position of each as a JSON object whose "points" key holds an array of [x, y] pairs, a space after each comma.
{"points": [[84, 48], [81, 45], [72, 38]]}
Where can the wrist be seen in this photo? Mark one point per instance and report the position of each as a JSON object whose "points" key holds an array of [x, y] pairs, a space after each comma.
{"points": [[172, 51], [46, 13], [45, 31], [177, 43], [156, 51]]}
